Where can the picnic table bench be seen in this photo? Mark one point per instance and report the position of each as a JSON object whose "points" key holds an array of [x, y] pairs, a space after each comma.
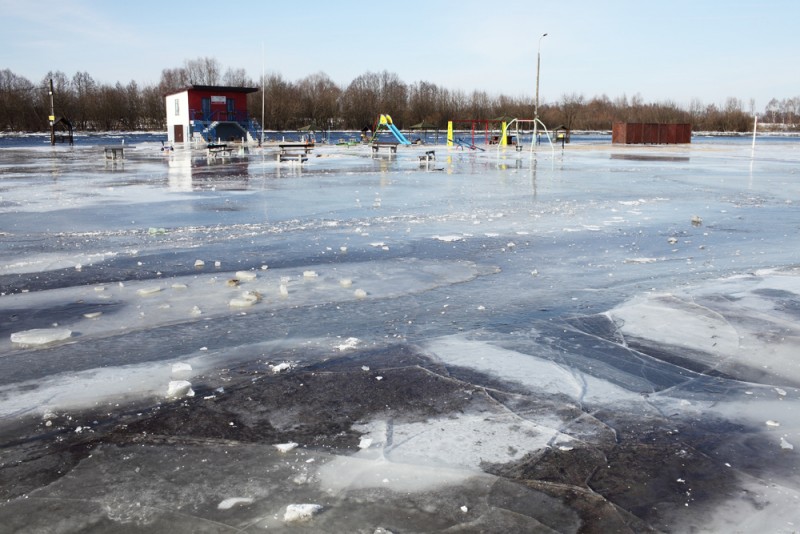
{"points": [[391, 146], [305, 147], [111, 151], [430, 155], [218, 149], [294, 152]]}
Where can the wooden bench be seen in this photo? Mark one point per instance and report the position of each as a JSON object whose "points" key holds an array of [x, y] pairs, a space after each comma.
{"points": [[305, 147], [294, 152], [430, 155], [111, 151], [391, 146], [299, 157], [213, 150]]}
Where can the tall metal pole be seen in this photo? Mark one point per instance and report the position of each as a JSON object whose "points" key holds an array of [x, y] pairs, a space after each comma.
{"points": [[52, 116], [538, 64], [536, 102], [263, 98]]}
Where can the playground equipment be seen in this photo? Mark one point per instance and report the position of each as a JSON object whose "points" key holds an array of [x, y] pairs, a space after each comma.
{"points": [[464, 144], [536, 123], [385, 121], [501, 140]]}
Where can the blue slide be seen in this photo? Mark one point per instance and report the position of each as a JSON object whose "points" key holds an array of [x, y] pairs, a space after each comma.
{"points": [[400, 137]]}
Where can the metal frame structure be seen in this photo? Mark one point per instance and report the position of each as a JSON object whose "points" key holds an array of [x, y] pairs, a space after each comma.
{"points": [[535, 122]]}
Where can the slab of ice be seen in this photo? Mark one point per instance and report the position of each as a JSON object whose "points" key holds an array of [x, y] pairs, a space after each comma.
{"points": [[279, 368], [41, 336], [725, 323], [538, 374], [241, 302], [349, 344], [301, 512], [149, 290], [230, 502], [286, 447], [247, 276], [180, 388]]}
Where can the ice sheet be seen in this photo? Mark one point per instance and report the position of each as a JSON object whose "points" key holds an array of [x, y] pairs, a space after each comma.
{"points": [[603, 336]]}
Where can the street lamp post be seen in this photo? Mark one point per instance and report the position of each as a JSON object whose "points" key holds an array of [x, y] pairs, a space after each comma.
{"points": [[536, 102]]}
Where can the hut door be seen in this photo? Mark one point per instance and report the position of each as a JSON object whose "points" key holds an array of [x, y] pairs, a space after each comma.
{"points": [[178, 133]]}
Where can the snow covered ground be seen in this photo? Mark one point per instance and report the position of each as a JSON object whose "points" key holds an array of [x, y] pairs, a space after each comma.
{"points": [[605, 338]]}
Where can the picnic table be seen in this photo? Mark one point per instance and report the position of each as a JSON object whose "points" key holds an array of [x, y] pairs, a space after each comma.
{"points": [[111, 151], [294, 152], [391, 146], [218, 149]]}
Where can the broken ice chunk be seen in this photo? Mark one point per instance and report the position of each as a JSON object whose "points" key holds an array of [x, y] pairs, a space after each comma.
{"points": [[365, 443], [93, 315], [40, 336], [310, 274], [280, 367], [285, 447], [773, 423], [241, 302], [248, 298], [301, 512], [148, 291], [180, 388], [350, 343], [199, 263], [360, 294], [230, 502], [246, 276], [785, 445]]}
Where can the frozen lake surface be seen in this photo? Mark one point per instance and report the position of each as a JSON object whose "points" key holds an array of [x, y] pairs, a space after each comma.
{"points": [[600, 339]]}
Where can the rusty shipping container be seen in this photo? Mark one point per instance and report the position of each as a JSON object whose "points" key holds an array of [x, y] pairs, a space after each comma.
{"points": [[651, 133]]}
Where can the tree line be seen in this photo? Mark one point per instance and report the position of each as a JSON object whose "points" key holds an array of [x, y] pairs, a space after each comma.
{"points": [[318, 101]]}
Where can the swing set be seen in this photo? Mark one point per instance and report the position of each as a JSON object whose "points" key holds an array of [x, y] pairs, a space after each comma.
{"points": [[504, 139]]}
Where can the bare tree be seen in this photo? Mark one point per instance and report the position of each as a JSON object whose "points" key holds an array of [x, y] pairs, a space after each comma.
{"points": [[423, 99], [236, 78], [361, 101], [85, 87], [571, 105], [319, 99], [203, 71]]}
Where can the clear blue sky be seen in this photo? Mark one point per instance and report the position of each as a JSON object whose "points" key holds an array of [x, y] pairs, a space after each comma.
{"points": [[675, 50]]}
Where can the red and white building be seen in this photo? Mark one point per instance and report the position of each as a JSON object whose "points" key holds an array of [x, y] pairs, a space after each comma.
{"points": [[210, 113]]}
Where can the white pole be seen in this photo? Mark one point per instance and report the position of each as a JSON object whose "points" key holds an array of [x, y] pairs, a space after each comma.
{"points": [[263, 96], [755, 127], [536, 102]]}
